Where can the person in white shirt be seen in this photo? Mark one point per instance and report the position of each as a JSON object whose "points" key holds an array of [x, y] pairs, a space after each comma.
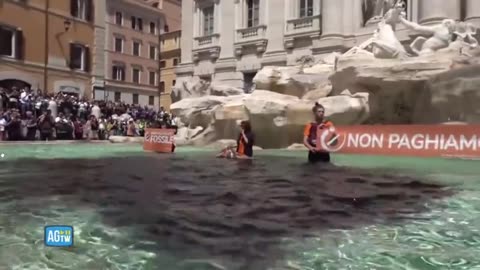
{"points": [[96, 111], [3, 123], [52, 107]]}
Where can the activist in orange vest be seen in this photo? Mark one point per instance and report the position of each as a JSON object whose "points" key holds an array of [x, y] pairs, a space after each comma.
{"points": [[310, 135], [244, 148]]}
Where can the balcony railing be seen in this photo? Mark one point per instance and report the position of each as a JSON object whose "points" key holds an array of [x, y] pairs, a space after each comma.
{"points": [[207, 41], [251, 33], [303, 25]]}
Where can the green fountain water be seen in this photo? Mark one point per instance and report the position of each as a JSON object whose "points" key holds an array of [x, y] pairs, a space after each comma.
{"points": [[445, 237]]}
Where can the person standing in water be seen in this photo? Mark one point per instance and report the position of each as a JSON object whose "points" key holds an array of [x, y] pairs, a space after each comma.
{"points": [[310, 135], [245, 142]]}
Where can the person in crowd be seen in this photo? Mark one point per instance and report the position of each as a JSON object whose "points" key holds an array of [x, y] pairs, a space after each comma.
{"points": [[52, 107], [77, 128], [14, 127], [92, 127], [3, 123], [310, 135], [45, 125], [38, 103], [141, 127], [24, 101], [96, 111], [31, 124], [102, 129], [245, 142], [131, 130], [2, 99], [13, 98], [63, 127]]}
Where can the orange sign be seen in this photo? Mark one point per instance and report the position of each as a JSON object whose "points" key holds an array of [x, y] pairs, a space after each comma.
{"points": [[159, 140], [459, 141]]}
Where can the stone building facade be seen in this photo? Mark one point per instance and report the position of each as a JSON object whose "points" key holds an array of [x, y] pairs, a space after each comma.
{"points": [[169, 47], [47, 45], [131, 52], [169, 60], [229, 41], [135, 32]]}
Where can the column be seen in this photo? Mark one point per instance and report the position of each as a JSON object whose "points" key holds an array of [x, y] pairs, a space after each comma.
{"points": [[332, 17], [349, 18], [187, 31], [276, 21], [434, 11], [225, 23], [473, 12]]}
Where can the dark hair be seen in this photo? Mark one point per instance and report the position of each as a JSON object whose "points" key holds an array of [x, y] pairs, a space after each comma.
{"points": [[246, 126], [317, 106]]}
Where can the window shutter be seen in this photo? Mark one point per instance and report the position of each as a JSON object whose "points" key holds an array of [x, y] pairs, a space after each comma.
{"points": [[114, 73], [140, 24], [72, 56], [19, 48], [134, 22], [74, 8], [90, 10], [87, 59]]}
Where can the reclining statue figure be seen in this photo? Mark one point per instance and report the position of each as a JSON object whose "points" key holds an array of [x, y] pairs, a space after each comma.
{"points": [[440, 35]]}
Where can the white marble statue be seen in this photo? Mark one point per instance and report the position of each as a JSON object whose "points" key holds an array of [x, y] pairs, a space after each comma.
{"points": [[384, 43], [465, 33], [375, 10], [440, 35]]}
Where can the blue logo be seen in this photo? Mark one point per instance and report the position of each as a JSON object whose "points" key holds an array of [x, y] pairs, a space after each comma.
{"points": [[59, 236]]}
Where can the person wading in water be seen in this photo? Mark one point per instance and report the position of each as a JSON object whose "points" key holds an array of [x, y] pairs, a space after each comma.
{"points": [[245, 142], [310, 135]]}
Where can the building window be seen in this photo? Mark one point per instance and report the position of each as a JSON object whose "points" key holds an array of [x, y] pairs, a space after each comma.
{"points": [[152, 28], [137, 23], [135, 98], [166, 29], [136, 48], [208, 21], [79, 57], [153, 52], [134, 22], [152, 77], [118, 72], [173, 83], [253, 13], [117, 97], [12, 42], [162, 87], [175, 61], [118, 18], [163, 64], [151, 100], [306, 8], [136, 75], [119, 45], [81, 9]]}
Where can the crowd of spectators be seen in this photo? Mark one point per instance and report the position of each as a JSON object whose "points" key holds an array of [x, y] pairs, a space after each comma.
{"points": [[26, 115]]}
